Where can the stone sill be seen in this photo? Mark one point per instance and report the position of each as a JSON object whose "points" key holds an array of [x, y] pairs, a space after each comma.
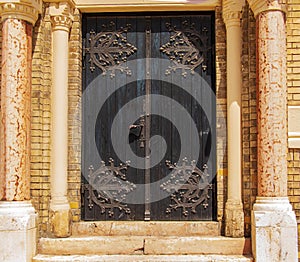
{"points": [[294, 126]]}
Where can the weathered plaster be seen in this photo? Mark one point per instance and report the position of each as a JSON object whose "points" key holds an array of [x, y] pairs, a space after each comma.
{"points": [[60, 222], [26, 10], [259, 6], [17, 231], [272, 105], [17, 215], [15, 110], [274, 230], [274, 226]]}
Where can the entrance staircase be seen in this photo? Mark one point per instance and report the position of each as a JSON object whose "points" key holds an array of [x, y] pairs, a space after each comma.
{"points": [[144, 241]]}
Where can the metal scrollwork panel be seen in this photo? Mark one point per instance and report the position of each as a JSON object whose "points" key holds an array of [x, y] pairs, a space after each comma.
{"points": [[194, 187], [109, 49], [107, 187], [187, 48]]}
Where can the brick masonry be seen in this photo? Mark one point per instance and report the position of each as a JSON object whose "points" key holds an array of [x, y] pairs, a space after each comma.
{"points": [[249, 115], [221, 114], [293, 82], [75, 69], [0, 62], [41, 119]]}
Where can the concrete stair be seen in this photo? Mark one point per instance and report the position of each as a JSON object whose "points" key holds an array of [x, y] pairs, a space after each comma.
{"points": [[144, 241], [142, 258], [141, 228]]}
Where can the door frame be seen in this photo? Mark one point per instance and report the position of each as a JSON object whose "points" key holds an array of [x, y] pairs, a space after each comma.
{"points": [[105, 6], [220, 51], [214, 214]]}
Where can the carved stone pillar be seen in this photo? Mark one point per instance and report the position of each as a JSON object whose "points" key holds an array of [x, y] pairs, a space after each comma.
{"points": [[17, 215], [274, 227], [234, 215], [61, 16]]}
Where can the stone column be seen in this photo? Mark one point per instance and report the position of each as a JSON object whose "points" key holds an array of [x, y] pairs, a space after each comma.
{"points": [[234, 215], [274, 227], [17, 215], [61, 16]]}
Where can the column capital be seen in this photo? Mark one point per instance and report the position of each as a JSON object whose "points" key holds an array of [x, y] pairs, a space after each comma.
{"points": [[232, 11], [259, 6], [61, 15], [27, 10]]}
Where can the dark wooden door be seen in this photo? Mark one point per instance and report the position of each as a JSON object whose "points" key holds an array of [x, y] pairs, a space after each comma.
{"points": [[148, 85]]}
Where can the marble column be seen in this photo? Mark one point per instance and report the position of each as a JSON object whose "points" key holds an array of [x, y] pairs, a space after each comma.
{"points": [[17, 215], [274, 227], [60, 217], [234, 215]]}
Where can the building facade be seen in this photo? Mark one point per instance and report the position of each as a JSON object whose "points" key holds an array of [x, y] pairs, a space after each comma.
{"points": [[252, 65]]}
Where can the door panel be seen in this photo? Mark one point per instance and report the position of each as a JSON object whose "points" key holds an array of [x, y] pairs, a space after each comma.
{"points": [[139, 38]]}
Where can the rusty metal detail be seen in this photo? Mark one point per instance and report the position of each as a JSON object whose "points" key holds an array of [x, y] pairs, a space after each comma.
{"points": [[187, 48], [107, 187], [193, 187], [110, 49], [147, 133]]}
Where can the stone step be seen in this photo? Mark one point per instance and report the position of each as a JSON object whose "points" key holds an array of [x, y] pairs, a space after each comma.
{"points": [[143, 245], [142, 258], [141, 228]]}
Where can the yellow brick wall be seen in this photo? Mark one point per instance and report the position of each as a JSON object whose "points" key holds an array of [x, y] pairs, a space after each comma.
{"points": [[41, 118], [293, 70], [0, 61], [249, 115], [74, 167], [221, 113], [40, 121]]}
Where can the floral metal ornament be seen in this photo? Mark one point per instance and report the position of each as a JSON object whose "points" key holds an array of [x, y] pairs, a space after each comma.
{"points": [[110, 49], [107, 187], [188, 185], [187, 48]]}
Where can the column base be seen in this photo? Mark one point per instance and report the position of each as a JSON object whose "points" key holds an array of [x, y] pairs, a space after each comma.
{"points": [[274, 230], [17, 231], [60, 219], [234, 219]]}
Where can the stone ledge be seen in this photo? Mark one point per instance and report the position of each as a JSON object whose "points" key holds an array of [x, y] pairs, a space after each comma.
{"points": [[17, 216], [197, 245], [92, 6], [274, 230], [142, 258], [17, 231], [294, 126], [90, 245], [141, 228], [132, 245]]}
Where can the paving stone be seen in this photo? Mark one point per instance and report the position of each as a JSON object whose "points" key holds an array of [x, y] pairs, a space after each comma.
{"points": [[142, 258]]}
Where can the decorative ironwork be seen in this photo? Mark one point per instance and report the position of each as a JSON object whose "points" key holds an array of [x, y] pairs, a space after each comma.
{"points": [[189, 187], [109, 49], [187, 48], [107, 187]]}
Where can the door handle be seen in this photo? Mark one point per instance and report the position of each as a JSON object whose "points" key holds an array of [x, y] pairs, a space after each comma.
{"points": [[135, 130]]}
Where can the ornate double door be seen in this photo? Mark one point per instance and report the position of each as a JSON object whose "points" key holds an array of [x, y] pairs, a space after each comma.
{"points": [[148, 117]]}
